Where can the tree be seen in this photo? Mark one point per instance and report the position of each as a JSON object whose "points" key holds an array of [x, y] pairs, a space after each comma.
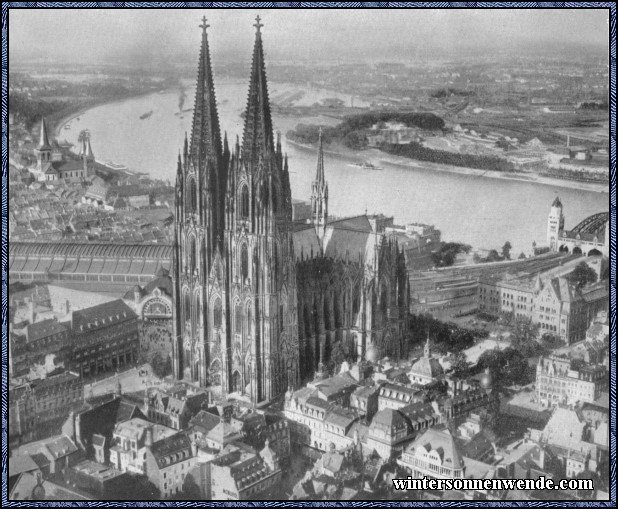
{"points": [[161, 368], [587, 475], [507, 366], [493, 256], [522, 256], [459, 363], [506, 317], [355, 140], [523, 336], [506, 250], [337, 356], [550, 341], [446, 255], [460, 339], [582, 275]]}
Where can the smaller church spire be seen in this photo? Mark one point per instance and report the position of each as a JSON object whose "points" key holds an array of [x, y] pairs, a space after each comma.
{"points": [[226, 147], [427, 346], [319, 177], [185, 148], [319, 194], [44, 138], [89, 154]]}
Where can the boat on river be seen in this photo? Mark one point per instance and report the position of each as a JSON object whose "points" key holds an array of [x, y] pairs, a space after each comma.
{"points": [[113, 166], [366, 165]]}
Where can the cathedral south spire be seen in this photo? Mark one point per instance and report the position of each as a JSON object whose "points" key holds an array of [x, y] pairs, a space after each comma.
{"points": [[258, 131]]}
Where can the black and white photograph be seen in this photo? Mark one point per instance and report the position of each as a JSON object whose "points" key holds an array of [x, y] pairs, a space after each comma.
{"points": [[303, 254]]}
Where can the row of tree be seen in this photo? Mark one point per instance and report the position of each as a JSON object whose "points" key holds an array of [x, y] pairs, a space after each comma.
{"points": [[446, 255], [352, 130], [418, 152], [444, 337]]}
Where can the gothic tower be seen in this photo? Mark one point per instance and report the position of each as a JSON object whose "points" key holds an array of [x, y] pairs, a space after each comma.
{"points": [[234, 278], [44, 149], [261, 352], [555, 224], [319, 195], [198, 231]]}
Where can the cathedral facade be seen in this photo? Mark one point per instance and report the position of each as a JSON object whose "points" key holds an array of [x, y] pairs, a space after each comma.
{"points": [[260, 302]]}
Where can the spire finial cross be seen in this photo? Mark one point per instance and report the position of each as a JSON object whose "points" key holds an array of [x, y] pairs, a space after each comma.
{"points": [[258, 25], [204, 24]]}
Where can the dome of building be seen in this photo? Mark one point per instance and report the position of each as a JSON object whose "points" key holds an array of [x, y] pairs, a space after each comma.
{"points": [[427, 367], [486, 379], [372, 354]]}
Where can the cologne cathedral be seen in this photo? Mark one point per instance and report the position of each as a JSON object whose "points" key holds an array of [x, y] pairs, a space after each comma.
{"points": [[261, 302]]}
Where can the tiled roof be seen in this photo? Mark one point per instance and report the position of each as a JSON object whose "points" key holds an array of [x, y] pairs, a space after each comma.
{"points": [[102, 315], [441, 441], [388, 419], [44, 329], [98, 440], [205, 420], [171, 450]]}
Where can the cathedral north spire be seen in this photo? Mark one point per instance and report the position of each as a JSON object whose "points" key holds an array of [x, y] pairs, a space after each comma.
{"points": [[205, 132], [258, 131]]}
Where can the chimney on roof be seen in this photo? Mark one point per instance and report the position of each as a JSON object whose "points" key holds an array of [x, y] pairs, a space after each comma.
{"points": [[148, 440]]}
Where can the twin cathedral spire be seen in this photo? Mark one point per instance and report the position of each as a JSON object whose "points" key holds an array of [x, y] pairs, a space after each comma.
{"points": [[206, 167], [234, 284]]}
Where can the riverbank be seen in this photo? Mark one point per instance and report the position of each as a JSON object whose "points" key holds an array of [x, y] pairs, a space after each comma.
{"points": [[402, 162]]}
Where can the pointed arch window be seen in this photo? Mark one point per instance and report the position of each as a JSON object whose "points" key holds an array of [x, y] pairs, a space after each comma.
{"points": [[244, 262], [356, 302], [198, 311], [192, 254], [244, 202], [384, 302], [191, 198], [217, 314], [276, 256], [337, 309], [238, 318], [187, 307]]}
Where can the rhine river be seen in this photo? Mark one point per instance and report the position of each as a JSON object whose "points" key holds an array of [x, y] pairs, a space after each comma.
{"points": [[480, 211]]}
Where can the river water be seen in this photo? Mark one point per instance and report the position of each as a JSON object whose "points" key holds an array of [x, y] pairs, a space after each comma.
{"points": [[483, 212]]}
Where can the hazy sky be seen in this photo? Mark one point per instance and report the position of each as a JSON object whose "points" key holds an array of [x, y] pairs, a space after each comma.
{"points": [[104, 35]]}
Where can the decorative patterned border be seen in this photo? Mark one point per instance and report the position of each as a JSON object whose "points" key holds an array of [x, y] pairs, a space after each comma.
{"points": [[287, 5]]}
